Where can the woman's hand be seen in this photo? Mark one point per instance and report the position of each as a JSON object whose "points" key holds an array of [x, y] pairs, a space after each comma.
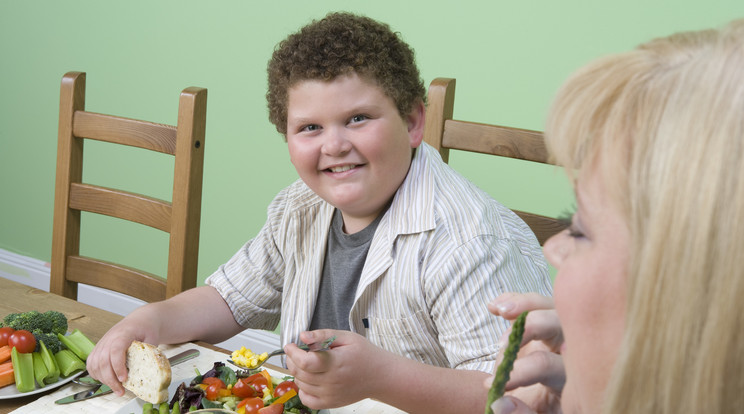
{"points": [[538, 377]]}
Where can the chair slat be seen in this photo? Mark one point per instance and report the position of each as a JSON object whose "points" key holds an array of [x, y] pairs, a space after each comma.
{"points": [[445, 133], [121, 204], [495, 140], [135, 282], [543, 227], [142, 134]]}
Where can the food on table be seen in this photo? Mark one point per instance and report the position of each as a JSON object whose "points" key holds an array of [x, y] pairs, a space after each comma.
{"points": [[23, 340], [242, 391], [5, 332], [50, 321], [23, 370], [43, 353], [78, 343], [149, 372], [7, 376], [510, 355], [4, 353], [52, 367], [245, 357]]}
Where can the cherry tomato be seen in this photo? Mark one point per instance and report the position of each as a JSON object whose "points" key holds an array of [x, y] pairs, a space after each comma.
{"points": [[285, 386], [213, 380], [252, 405], [258, 381], [272, 409], [23, 340], [243, 389], [212, 392], [4, 334]]}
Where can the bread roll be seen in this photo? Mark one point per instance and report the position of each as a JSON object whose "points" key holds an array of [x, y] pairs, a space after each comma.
{"points": [[149, 372]]}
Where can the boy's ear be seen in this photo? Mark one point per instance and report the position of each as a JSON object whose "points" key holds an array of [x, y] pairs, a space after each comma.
{"points": [[416, 120]]}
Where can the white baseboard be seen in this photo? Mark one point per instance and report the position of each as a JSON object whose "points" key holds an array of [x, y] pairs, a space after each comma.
{"points": [[35, 273]]}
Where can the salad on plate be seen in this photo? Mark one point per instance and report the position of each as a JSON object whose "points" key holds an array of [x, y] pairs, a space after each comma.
{"points": [[241, 391]]}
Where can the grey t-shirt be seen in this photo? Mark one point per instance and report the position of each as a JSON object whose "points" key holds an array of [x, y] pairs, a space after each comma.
{"points": [[342, 268]]}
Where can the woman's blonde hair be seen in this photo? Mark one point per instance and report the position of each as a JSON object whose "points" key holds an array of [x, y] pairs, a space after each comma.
{"points": [[664, 126]]}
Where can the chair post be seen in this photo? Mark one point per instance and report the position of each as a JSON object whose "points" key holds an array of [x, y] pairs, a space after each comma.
{"points": [[440, 106], [66, 229], [183, 257]]}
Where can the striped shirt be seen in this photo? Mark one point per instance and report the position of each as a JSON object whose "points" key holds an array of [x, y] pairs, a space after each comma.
{"points": [[442, 251]]}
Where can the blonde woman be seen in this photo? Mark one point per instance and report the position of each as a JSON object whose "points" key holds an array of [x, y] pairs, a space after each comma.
{"points": [[649, 295]]}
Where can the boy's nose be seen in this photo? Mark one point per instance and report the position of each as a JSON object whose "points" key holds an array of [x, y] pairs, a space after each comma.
{"points": [[335, 143]]}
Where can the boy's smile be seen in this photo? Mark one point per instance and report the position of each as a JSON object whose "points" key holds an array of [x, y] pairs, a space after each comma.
{"points": [[350, 145]]}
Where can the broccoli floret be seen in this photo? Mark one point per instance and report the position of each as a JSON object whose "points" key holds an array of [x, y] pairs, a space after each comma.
{"points": [[51, 341], [28, 321], [57, 320], [10, 318], [47, 322]]}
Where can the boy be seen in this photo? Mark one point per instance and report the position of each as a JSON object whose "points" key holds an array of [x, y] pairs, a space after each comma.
{"points": [[379, 243]]}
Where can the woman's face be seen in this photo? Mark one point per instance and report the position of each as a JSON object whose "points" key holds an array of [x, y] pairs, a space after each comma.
{"points": [[592, 262]]}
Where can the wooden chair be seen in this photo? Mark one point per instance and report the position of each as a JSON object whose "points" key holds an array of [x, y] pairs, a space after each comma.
{"points": [[445, 134], [180, 218]]}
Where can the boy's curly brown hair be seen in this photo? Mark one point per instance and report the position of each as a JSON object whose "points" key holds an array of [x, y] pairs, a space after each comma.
{"points": [[339, 44]]}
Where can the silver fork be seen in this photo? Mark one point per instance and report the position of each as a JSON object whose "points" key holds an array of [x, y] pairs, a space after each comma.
{"points": [[315, 347]]}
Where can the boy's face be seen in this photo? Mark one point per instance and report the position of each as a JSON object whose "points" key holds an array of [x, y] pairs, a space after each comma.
{"points": [[350, 145]]}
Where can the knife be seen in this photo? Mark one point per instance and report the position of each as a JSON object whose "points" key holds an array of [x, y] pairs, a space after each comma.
{"points": [[104, 389]]}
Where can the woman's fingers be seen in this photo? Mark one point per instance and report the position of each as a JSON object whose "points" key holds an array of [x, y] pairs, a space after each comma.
{"points": [[544, 326], [538, 367], [510, 305]]}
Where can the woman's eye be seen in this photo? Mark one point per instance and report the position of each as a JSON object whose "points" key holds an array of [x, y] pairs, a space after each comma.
{"points": [[575, 233], [567, 220]]}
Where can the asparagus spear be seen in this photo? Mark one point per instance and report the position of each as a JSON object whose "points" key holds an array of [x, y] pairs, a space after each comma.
{"points": [[504, 370]]}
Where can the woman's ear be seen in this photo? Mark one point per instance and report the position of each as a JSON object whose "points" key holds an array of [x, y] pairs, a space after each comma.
{"points": [[416, 120]]}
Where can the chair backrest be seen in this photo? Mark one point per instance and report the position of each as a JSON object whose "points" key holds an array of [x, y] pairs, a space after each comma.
{"points": [[445, 134], [180, 217]]}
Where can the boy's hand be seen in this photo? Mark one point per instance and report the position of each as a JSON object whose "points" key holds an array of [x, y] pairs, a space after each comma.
{"points": [[107, 361], [350, 371]]}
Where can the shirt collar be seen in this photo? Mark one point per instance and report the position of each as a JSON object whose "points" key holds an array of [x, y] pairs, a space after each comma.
{"points": [[412, 209]]}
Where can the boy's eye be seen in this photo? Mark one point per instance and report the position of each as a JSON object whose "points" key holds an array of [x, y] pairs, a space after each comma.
{"points": [[358, 118], [310, 128]]}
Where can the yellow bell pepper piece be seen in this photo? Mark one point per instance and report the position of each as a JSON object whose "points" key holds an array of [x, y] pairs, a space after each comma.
{"points": [[285, 397]]}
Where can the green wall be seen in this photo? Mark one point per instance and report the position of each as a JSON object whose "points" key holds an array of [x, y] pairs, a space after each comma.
{"points": [[509, 57]]}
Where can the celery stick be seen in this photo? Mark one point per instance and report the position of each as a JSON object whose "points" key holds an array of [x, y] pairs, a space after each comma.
{"points": [[51, 365], [78, 343], [40, 369], [68, 362], [23, 370]]}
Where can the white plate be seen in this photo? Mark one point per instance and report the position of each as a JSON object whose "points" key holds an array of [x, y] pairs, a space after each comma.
{"points": [[10, 391]]}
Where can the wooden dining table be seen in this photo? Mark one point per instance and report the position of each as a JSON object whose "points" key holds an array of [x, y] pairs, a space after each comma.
{"points": [[16, 297], [92, 321], [95, 322]]}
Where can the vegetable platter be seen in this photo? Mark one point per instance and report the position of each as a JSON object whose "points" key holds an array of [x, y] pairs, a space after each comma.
{"points": [[37, 353]]}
